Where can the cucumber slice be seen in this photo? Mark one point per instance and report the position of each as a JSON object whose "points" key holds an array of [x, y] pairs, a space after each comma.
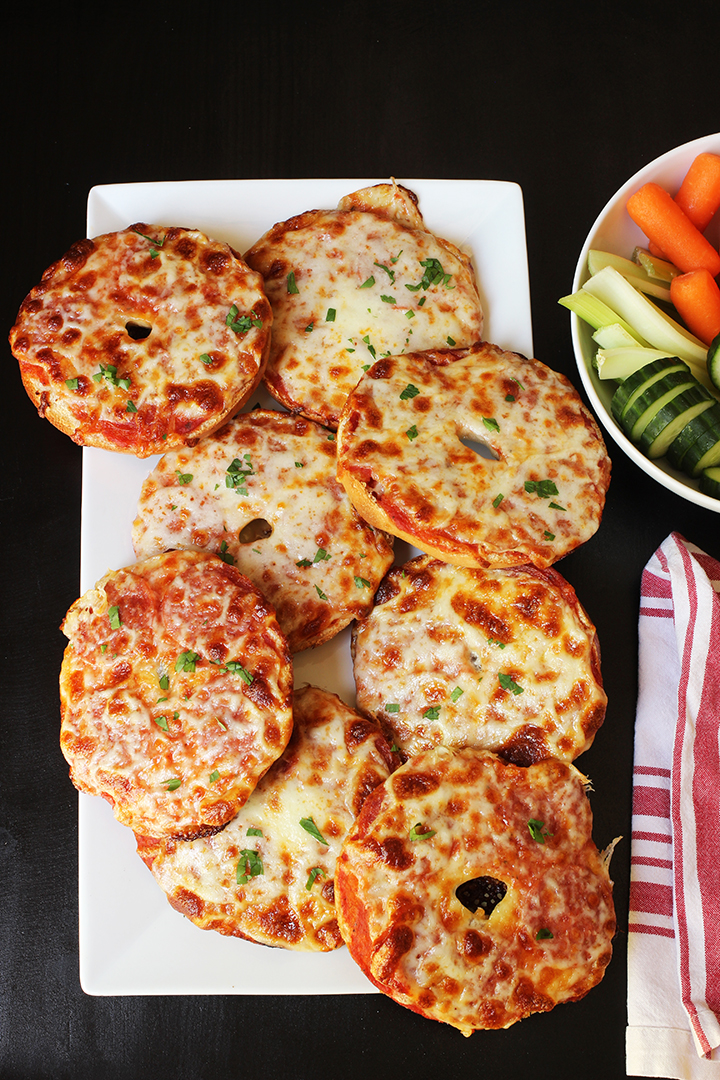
{"points": [[641, 380], [649, 404], [694, 465], [667, 424], [707, 423], [710, 482], [713, 361]]}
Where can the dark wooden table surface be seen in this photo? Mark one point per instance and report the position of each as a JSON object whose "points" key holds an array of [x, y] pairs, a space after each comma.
{"points": [[567, 101]]}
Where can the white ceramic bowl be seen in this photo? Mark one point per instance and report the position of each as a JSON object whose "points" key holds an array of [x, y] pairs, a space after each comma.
{"points": [[615, 231]]}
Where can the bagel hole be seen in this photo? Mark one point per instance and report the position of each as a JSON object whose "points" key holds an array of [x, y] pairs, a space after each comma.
{"points": [[258, 529], [481, 892], [137, 331], [479, 448]]}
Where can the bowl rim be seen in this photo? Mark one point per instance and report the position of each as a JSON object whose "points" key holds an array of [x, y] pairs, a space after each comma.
{"points": [[665, 475]]}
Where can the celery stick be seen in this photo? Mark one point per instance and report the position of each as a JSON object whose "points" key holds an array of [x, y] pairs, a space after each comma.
{"points": [[593, 311], [658, 329], [637, 277], [622, 362], [614, 336], [653, 266]]}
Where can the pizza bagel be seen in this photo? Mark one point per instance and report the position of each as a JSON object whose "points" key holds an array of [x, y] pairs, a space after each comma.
{"points": [[470, 890], [262, 494], [348, 285], [477, 456], [504, 660], [269, 875], [175, 693], [144, 339]]}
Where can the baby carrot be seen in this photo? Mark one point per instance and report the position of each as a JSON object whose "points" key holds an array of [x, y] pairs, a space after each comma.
{"points": [[699, 194], [663, 222], [697, 299]]}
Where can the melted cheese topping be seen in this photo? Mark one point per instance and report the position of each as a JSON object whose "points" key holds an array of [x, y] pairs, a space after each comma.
{"points": [[349, 285], [547, 940], [320, 565], [404, 449], [144, 339], [498, 659], [333, 761], [175, 693]]}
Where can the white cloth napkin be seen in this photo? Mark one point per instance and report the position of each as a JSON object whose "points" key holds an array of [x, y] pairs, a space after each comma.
{"points": [[674, 925]]}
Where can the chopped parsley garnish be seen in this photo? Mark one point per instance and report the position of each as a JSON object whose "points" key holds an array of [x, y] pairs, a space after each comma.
{"points": [[237, 473], [240, 324], [173, 783], [394, 258], [254, 832], [309, 826], [183, 477], [109, 373], [542, 488], [321, 555], [409, 314], [225, 555], [161, 722], [362, 583], [236, 668], [371, 348], [509, 397], [214, 776], [548, 535], [72, 384], [392, 707], [155, 243], [496, 641], [320, 593], [497, 500], [299, 464], [206, 358], [163, 682], [313, 875], [457, 693], [412, 433], [330, 316], [434, 275], [491, 423], [450, 341], [368, 283], [508, 683], [421, 832], [544, 934], [388, 299], [309, 328], [538, 830], [303, 562], [131, 407], [390, 273], [186, 661], [114, 617], [250, 865], [291, 284], [410, 391], [432, 712], [556, 506]]}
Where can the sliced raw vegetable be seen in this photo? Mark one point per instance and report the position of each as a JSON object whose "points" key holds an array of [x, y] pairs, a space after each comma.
{"points": [[614, 336], [665, 224], [667, 424], [710, 482], [696, 297], [628, 391], [654, 266], [638, 415], [703, 454], [707, 424], [713, 362], [699, 194], [593, 311], [643, 317], [633, 273], [624, 361]]}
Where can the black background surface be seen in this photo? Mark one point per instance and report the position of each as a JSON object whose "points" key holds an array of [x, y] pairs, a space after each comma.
{"points": [[566, 100]]}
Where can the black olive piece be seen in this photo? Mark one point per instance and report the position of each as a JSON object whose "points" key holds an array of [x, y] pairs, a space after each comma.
{"points": [[481, 892]]}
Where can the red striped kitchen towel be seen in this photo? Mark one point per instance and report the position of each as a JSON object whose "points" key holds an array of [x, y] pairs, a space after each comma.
{"points": [[674, 926]]}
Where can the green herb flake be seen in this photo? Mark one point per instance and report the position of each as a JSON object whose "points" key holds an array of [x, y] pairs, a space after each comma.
{"points": [[72, 384], [368, 283], [409, 314], [254, 832], [313, 875], [249, 866], [557, 506], [432, 712], [538, 830], [393, 707], [450, 341], [309, 328], [183, 478], [412, 433], [186, 661], [509, 397], [542, 488], [320, 593], [394, 258], [421, 301], [434, 275], [103, 647], [497, 500], [156, 244], [548, 535], [214, 776], [331, 437], [390, 273], [544, 934], [114, 617], [388, 299], [491, 423], [131, 407], [163, 682], [240, 324], [421, 832], [409, 392], [309, 826], [303, 562], [362, 583], [237, 473], [206, 358], [508, 683], [109, 373], [299, 464], [330, 315], [236, 668], [173, 783], [291, 283], [321, 555], [496, 641], [457, 693], [225, 555], [161, 722]]}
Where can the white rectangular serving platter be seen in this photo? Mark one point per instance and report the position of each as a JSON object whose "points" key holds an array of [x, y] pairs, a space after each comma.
{"points": [[131, 941]]}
